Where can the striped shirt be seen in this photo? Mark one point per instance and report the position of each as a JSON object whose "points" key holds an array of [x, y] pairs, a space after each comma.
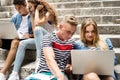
{"points": [[61, 49]]}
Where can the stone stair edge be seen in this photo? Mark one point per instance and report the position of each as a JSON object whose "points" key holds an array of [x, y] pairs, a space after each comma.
{"points": [[87, 8], [111, 24], [90, 15], [76, 36], [76, 8], [82, 1], [63, 1]]}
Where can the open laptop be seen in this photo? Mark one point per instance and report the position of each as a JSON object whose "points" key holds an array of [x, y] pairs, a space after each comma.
{"points": [[8, 30], [100, 62]]}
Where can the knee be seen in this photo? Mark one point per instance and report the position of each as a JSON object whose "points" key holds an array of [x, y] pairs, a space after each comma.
{"points": [[91, 76], [15, 43], [37, 29], [22, 43]]}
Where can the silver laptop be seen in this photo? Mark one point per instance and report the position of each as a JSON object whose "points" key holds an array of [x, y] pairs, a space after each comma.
{"points": [[100, 62], [8, 30]]}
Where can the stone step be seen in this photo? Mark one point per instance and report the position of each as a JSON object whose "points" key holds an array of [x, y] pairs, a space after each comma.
{"points": [[85, 4], [31, 55], [5, 14], [117, 69], [89, 11], [105, 29], [10, 8], [29, 68], [117, 51], [100, 19], [76, 11], [4, 19], [58, 1], [115, 39], [6, 2], [67, 5]]}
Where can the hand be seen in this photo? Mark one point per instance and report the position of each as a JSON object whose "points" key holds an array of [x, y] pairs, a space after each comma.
{"points": [[61, 78], [68, 69], [39, 7], [25, 36]]}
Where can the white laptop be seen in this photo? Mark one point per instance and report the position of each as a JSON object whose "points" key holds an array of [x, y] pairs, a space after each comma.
{"points": [[8, 30], [85, 61]]}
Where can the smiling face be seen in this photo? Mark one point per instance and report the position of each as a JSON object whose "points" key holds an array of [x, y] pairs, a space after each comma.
{"points": [[90, 33]]}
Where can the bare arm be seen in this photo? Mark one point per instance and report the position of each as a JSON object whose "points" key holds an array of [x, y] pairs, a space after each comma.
{"points": [[32, 21], [50, 59], [38, 20]]}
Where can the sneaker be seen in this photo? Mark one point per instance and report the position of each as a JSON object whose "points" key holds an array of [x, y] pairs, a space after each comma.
{"points": [[2, 76], [14, 76], [37, 64]]}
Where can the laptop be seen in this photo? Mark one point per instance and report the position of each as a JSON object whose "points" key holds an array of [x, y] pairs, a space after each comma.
{"points": [[86, 61], [8, 30]]}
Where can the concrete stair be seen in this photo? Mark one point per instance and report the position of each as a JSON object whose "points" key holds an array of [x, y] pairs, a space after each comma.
{"points": [[105, 12]]}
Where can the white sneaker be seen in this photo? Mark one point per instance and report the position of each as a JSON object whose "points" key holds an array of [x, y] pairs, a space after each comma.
{"points": [[37, 64], [14, 76], [2, 76]]}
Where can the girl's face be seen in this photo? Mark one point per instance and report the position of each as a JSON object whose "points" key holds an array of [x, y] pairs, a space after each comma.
{"points": [[89, 33], [30, 7]]}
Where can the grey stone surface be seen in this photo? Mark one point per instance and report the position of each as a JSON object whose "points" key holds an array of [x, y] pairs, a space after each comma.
{"points": [[105, 29], [105, 12], [3, 54]]}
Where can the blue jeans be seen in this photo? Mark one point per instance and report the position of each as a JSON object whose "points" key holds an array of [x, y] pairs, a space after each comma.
{"points": [[31, 43], [39, 32]]}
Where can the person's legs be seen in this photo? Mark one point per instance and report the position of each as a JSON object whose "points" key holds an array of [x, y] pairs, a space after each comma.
{"points": [[90, 76], [23, 45], [10, 56], [39, 32]]}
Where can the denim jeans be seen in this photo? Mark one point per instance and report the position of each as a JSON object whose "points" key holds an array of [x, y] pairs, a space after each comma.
{"points": [[31, 43], [39, 32]]}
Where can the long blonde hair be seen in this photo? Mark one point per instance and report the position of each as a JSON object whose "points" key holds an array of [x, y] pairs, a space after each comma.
{"points": [[99, 42]]}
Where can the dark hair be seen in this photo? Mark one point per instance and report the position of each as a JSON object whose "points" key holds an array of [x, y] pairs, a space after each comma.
{"points": [[19, 2]]}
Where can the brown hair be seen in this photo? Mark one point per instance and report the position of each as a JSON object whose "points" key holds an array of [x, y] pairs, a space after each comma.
{"points": [[46, 8]]}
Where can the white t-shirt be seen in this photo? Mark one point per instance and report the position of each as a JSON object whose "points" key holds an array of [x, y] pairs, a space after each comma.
{"points": [[23, 26]]}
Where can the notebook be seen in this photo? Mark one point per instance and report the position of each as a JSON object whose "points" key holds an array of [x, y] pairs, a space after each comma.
{"points": [[8, 30], [85, 61]]}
